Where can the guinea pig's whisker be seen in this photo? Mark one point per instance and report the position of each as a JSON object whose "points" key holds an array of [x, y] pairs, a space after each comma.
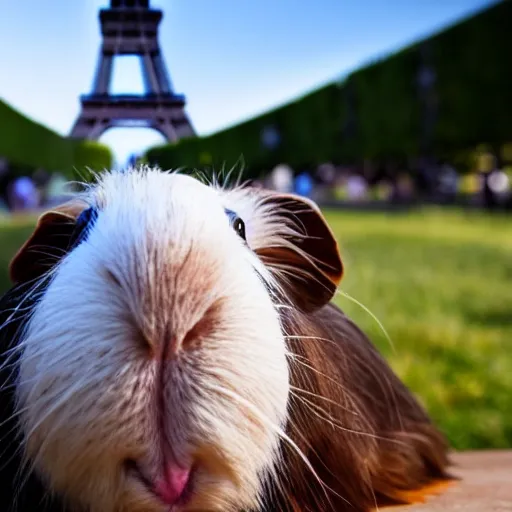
{"points": [[10, 353], [17, 434], [15, 415], [19, 410], [12, 363], [325, 399], [284, 306], [346, 393], [236, 184], [23, 480], [334, 423], [23, 474], [56, 425], [37, 282], [279, 431], [7, 387], [316, 338], [278, 478], [374, 317], [319, 459], [18, 453], [31, 294], [48, 261], [214, 181], [297, 359], [14, 310], [206, 179], [12, 319], [19, 309], [225, 177], [19, 488], [80, 174], [19, 449], [304, 439], [16, 383], [56, 402], [328, 418], [369, 366], [30, 464], [37, 354], [94, 177], [386, 386], [44, 249]]}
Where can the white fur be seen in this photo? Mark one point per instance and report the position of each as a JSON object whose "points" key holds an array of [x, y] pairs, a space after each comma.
{"points": [[88, 385]]}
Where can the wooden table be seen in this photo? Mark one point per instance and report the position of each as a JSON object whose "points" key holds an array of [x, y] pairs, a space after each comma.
{"points": [[485, 486]]}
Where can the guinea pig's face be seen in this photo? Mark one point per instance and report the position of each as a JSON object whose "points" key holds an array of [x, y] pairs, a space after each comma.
{"points": [[153, 375]]}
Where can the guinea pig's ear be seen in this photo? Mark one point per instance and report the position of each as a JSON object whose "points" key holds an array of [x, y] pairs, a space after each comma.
{"points": [[47, 244], [301, 249]]}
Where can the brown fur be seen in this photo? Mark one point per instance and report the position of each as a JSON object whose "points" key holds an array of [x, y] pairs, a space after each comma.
{"points": [[368, 439], [47, 244], [366, 436]]}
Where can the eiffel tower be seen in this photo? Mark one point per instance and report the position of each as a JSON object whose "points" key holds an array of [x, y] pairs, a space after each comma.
{"points": [[130, 27]]}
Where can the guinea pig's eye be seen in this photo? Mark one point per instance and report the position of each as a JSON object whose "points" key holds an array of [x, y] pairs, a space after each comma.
{"points": [[237, 223], [84, 222], [239, 227]]}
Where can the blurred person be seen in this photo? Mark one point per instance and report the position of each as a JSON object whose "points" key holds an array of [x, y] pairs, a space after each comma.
{"points": [[281, 178], [326, 174], [403, 191], [489, 196], [339, 188], [384, 190], [499, 183], [470, 186], [487, 167], [357, 187], [448, 184], [426, 177], [23, 194], [508, 201], [304, 184]]}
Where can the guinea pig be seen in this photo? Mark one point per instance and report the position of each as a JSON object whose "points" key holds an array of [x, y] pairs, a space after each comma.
{"points": [[169, 345]]}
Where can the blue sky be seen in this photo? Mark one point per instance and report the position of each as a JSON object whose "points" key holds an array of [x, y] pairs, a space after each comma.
{"points": [[232, 58]]}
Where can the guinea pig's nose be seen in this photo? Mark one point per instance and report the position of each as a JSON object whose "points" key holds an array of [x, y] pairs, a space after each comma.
{"points": [[175, 341]]}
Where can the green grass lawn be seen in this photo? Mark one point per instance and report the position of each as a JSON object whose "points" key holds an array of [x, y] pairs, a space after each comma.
{"points": [[441, 284]]}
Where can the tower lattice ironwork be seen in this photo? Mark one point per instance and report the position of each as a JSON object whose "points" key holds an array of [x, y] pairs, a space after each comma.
{"points": [[130, 27]]}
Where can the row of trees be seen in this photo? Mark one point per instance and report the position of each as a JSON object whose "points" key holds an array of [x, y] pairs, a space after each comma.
{"points": [[27, 145], [442, 96]]}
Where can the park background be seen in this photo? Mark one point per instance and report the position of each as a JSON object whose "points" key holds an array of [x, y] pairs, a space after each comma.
{"points": [[409, 154]]}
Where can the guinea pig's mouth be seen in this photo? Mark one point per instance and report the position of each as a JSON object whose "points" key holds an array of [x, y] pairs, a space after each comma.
{"points": [[174, 489]]}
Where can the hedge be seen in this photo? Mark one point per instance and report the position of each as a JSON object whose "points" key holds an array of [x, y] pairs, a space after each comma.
{"points": [[88, 154], [475, 80], [28, 145], [378, 112]]}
